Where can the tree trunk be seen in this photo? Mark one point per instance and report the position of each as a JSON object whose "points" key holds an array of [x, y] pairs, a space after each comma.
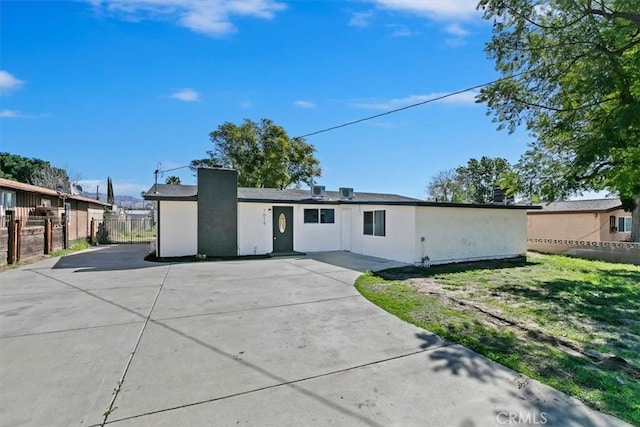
{"points": [[635, 222]]}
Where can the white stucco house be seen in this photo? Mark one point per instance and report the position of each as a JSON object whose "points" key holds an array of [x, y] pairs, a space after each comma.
{"points": [[192, 220]]}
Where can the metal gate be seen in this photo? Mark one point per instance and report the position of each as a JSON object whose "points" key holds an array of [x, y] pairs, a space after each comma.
{"points": [[125, 230]]}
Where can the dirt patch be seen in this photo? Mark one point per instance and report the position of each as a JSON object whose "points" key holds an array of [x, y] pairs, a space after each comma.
{"points": [[461, 296]]}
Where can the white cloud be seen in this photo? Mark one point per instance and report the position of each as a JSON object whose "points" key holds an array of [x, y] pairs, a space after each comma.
{"points": [[360, 19], [210, 17], [186, 95], [400, 30], [434, 9], [304, 104], [14, 114], [465, 98], [8, 83], [458, 34], [456, 30], [245, 104]]}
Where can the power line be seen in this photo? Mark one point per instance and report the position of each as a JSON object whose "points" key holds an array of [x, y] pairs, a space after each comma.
{"points": [[174, 169], [406, 107], [375, 116]]}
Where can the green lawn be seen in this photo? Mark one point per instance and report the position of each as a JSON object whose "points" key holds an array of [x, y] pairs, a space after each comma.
{"points": [[75, 246], [570, 323]]}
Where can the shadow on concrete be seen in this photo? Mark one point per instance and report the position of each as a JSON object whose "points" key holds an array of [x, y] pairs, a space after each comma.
{"points": [[558, 410], [353, 261], [107, 258], [457, 359], [281, 381], [536, 407]]}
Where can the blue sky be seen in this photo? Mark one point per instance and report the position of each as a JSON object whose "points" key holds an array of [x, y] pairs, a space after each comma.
{"points": [[113, 88]]}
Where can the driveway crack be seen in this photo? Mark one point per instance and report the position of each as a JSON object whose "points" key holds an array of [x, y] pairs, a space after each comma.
{"points": [[118, 387]]}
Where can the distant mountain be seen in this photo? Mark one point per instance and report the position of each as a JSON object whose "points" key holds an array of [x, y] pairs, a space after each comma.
{"points": [[121, 201]]}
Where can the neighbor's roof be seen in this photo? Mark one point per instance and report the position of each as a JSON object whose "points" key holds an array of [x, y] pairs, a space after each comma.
{"points": [[274, 195], [15, 185], [596, 205]]}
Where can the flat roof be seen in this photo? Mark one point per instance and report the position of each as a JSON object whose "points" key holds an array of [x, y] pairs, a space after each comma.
{"points": [[274, 195]]}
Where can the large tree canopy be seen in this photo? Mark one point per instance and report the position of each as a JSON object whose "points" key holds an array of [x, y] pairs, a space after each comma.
{"points": [[33, 171], [263, 154], [473, 183], [573, 69]]}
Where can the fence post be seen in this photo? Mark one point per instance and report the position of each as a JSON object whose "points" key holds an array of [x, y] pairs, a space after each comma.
{"points": [[11, 228], [18, 239], [47, 236], [65, 235]]}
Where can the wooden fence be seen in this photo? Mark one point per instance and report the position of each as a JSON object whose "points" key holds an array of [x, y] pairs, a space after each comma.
{"points": [[625, 252], [20, 240]]}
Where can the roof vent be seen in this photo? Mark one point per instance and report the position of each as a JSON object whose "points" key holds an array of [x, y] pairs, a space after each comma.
{"points": [[346, 193], [318, 191]]}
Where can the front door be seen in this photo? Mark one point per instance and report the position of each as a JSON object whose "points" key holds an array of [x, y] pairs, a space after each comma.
{"points": [[282, 229]]}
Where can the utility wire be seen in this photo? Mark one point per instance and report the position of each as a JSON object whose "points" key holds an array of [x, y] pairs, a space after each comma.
{"points": [[406, 107], [375, 116]]}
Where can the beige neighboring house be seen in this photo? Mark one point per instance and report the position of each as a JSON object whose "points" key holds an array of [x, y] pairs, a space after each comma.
{"points": [[601, 220], [28, 201]]}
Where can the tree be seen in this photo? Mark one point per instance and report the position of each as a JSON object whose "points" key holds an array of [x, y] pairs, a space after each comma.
{"points": [[33, 171], [572, 77], [173, 180], [110, 196], [480, 177], [263, 154], [473, 183], [445, 186]]}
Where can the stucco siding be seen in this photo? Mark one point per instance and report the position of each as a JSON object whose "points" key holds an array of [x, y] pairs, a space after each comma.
{"points": [[255, 233], [570, 226], [455, 235], [254, 229], [316, 237], [178, 228], [398, 242]]}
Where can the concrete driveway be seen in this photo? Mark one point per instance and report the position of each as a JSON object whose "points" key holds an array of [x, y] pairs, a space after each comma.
{"points": [[103, 337]]}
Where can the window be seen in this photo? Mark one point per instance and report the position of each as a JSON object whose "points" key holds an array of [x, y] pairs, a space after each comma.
{"points": [[327, 216], [311, 216], [8, 199], [374, 223], [624, 224], [323, 216]]}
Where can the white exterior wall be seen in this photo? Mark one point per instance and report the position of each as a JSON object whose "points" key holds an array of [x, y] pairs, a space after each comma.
{"points": [[255, 229], [316, 237], [398, 242], [178, 228], [255, 236], [466, 234]]}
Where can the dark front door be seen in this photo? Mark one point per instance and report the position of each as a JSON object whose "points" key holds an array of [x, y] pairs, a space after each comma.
{"points": [[282, 229]]}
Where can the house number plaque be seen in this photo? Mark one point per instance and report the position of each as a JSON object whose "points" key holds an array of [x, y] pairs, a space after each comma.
{"points": [[282, 223]]}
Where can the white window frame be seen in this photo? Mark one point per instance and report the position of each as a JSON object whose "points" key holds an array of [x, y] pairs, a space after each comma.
{"points": [[624, 224], [321, 217], [376, 229], [12, 199]]}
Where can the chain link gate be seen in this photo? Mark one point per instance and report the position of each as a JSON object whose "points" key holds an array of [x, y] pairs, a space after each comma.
{"points": [[125, 230]]}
